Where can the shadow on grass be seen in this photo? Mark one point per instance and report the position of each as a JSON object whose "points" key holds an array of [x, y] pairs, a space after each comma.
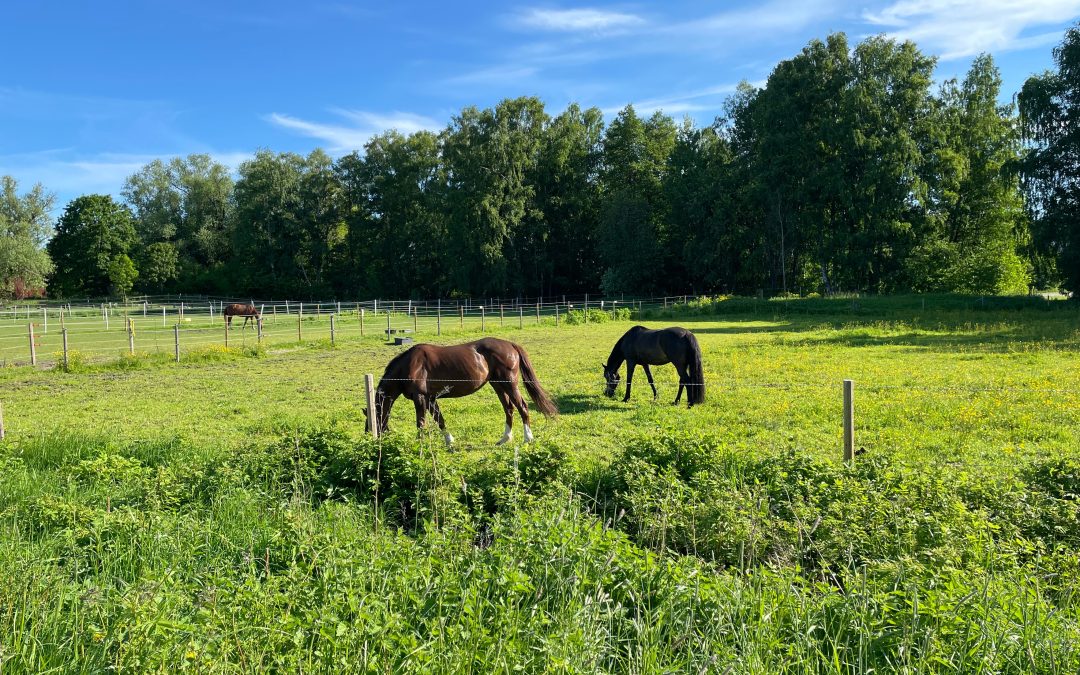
{"points": [[575, 404]]}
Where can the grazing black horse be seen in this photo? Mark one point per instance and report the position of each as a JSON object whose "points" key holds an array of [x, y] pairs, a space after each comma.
{"points": [[675, 345]]}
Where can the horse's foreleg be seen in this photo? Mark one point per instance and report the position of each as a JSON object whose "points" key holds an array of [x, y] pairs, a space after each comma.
{"points": [[421, 409], [505, 398], [630, 365], [436, 412], [648, 374], [523, 410]]}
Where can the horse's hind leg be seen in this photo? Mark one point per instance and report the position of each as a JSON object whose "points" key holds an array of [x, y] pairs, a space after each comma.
{"points": [[503, 390], [648, 374], [523, 410], [436, 412], [684, 377]]}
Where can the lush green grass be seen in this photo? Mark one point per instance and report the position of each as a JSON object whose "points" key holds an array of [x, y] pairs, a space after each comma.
{"points": [[227, 513]]}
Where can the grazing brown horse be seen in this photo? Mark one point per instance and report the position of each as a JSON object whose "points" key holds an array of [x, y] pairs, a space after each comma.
{"points": [[645, 347], [425, 373], [240, 309]]}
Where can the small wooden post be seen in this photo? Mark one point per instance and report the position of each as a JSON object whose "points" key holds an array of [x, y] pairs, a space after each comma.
{"points": [[438, 317], [299, 326], [388, 324], [556, 315], [333, 326], [226, 333], [502, 316], [63, 334], [33, 347], [274, 311], [521, 315], [461, 310], [211, 311], [176, 341], [144, 309], [538, 314], [481, 318], [369, 390], [361, 323], [849, 420], [258, 327], [131, 336], [181, 311], [414, 320], [105, 311], [45, 320], [339, 308]]}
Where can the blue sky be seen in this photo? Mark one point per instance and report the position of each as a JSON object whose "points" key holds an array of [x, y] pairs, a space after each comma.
{"points": [[91, 91]]}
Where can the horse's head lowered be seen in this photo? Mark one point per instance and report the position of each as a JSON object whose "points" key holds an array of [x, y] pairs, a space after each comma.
{"points": [[611, 377], [383, 404]]}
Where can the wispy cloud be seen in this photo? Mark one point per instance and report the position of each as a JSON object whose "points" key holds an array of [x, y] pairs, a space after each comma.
{"points": [[708, 98], [496, 75], [578, 20], [959, 28], [348, 137]]}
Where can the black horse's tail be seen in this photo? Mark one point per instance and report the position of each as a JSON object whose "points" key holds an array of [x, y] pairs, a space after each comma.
{"points": [[539, 397], [695, 389]]}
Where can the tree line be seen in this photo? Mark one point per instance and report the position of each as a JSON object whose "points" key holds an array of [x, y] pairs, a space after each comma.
{"points": [[848, 170]]}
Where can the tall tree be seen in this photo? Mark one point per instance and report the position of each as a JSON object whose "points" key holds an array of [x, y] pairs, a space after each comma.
{"points": [[91, 235], [489, 155], [974, 207], [24, 231], [183, 205], [1050, 121], [633, 225]]}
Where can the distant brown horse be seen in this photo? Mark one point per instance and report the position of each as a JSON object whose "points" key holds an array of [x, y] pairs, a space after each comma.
{"points": [[425, 373], [240, 309]]}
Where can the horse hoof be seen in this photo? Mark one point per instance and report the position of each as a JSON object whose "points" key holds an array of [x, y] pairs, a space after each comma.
{"points": [[503, 441], [449, 439]]}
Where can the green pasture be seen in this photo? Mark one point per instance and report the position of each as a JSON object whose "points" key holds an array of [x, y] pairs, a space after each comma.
{"points": [[228, 514]]}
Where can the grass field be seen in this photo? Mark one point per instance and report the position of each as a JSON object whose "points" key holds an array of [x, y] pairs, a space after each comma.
{"points": [[227, 513]]}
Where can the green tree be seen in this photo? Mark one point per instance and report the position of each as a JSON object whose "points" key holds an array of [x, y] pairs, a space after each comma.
{"points": [[975, 208], [1049, 107], [634, 212], [489, 155], [160, 265], [185, 202], [93, 231], [122, 274], [24, 231]]}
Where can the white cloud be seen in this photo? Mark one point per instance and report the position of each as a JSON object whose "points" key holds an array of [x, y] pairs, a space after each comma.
{"points": [[579, 20], [960, 28], [346, 138], [709, 98]]}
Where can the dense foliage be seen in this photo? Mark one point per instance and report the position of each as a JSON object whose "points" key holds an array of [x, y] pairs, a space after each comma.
{"points": [[24, 231], [846, 171]]}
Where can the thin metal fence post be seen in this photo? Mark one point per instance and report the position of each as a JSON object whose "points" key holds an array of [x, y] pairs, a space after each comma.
{"points": [[849, 420]]}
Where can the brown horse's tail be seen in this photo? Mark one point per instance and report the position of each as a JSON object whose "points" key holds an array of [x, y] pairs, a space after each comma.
{"points": [[695, 388], [539, 397]]}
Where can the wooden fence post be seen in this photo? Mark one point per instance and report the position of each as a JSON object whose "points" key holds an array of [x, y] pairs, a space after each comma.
{"points": [[45, 320], [481, 318], [849, 420], [63, 334], [388, 324], [333, 326], [414, 328], [369, 390], [502, 316], [226, 333], [131, 336], [556, 315], [521, 315], [361, 322], [299, 325], [461, 311], [176, 341], [258, 327], [33, 347], [438, 317]]}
